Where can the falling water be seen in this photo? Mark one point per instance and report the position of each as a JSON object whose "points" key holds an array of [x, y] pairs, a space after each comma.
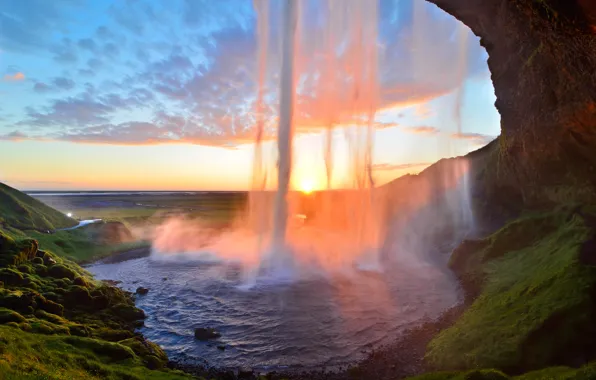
{"points": [[286, 123], [318, 73], [327, 81]]}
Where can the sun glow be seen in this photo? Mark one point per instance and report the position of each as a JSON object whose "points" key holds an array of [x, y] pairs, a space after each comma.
{"points": [[307, 186]]}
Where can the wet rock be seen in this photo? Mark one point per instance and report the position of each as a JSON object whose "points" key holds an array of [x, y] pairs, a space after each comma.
{"points": [[164, 279], [142, 291], [245, 373], [202, 333], [111, 282], [221, 347]]}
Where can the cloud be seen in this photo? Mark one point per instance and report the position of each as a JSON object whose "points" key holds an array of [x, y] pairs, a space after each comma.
{"points": [[87, 44], [201, 67], [16, 77], [423, 130], [14, 136], [65, 51], [71, 111], [57, 84], [476, 138], [393, 167]]}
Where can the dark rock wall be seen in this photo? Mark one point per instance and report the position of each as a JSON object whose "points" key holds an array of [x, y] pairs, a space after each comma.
{"points": [[542, 56]]}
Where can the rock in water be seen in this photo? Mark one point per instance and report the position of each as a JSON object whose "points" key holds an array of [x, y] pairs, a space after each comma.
{"points": [[221, 347], [202, 333], [142, 291]]}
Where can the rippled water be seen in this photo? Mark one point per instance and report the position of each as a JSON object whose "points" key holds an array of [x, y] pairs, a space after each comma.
{"points": [[314, 322]]}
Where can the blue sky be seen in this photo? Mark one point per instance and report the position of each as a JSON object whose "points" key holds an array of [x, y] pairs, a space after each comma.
{"points": [[158, 94]]}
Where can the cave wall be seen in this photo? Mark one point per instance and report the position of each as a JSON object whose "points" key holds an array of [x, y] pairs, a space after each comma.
{"points": [[542, 58]]}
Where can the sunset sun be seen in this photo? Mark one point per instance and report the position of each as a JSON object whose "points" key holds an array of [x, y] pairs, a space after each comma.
{"points": [[307, 186]]}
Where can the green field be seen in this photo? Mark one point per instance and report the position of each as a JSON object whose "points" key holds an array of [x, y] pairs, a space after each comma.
{"points": [[149, 208]]}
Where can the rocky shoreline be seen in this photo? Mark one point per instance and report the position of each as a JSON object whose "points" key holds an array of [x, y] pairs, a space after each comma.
{"points": [[398, 360]]}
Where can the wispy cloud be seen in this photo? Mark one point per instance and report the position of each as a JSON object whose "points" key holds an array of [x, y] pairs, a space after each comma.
{"points": [[16, 77], [198, 62], [422, 130], [14, 136]]}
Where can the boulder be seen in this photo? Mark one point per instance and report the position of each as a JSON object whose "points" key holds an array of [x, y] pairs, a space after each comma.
{"points": [[128, 312], [202, 333], [142, 291]]}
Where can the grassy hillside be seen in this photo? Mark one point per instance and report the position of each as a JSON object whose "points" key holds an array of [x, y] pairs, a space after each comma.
{"points": [[21, 211], [56, 321], [535, 282]]}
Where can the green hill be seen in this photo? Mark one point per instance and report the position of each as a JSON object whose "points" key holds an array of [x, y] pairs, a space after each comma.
{"points": [[19, 210]]}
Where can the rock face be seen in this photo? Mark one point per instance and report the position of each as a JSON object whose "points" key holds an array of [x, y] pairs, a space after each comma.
{"points": [[542, 56]]}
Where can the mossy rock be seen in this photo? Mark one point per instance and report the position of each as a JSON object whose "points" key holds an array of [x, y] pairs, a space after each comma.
{"points": [[127, 312], [11, 277], [23, 268], [80, 281], [49, 306], [16, 252], [61, 271], [154, 355], [56, 319], [37, 260], [63, 283], [113, 335], [114, 351], [18, 301], [40, 270], [79, 330], [153, 362], [44, 327], [51, 296], [79, 297], [7, 316]]}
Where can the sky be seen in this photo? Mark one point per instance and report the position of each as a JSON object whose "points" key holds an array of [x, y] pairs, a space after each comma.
{"points": [[161, 95]]}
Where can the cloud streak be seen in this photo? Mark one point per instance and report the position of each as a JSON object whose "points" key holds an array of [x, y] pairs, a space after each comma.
{"points": [[16, 77]]}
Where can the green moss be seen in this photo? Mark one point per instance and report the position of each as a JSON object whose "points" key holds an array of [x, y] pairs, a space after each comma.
{"points": [[7, 315], [35, 356], [535, 306], [37, 260], [128, 312], [61, 271], [56, 319], [11, 277]]}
